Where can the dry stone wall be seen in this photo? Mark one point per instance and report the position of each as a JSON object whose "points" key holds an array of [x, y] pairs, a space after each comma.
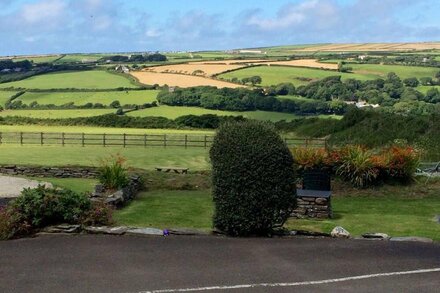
{"points": [[57, 172]]}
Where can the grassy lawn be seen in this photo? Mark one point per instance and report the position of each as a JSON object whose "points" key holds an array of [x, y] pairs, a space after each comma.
{"points": [[395, 210], [81, 98], [54, 114], [138, 157], [272, 75], [92, 79], [174, 112], [4, 96], [168, 209], [76, 184], [99, 130]]}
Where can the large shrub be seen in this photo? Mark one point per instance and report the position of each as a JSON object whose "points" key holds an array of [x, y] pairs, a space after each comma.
{"points": [[40, 207], [253, 179]]}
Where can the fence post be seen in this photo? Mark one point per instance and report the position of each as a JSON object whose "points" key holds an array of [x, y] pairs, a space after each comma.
{"points": [[1, 136], [164, 140], [62, 138], [206, 143], [103, 139], [82, 139], [186, 140], [145, 140], [124, 138], [21, 138]]}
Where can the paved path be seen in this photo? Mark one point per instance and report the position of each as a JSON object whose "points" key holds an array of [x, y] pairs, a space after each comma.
{"points": [[85, 263], [12, 186]]}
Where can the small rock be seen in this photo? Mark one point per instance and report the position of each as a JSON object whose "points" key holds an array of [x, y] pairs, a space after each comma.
{"points": [[64, 228], [412, 239], [145, 231], [375, 236], [339, 232], [321, 200], [106, 230]]}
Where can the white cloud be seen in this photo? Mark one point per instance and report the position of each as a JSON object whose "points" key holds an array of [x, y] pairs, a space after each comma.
{"points": [[44, 11], [153, 33]]}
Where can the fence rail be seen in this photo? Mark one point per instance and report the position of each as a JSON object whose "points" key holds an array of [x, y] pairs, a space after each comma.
{"points": [[128, 140]]}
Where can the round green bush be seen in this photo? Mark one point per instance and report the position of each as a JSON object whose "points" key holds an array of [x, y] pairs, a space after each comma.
{"points": [[253, 179]]}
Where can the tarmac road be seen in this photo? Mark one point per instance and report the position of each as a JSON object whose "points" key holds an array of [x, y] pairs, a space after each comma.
{"points": [[86, 263]]}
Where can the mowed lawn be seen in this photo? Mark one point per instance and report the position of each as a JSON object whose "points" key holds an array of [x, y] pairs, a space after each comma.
{"points": [[4, 96], [57, 114], [395, 210], [81, 98], [91, 79], [273, 75], [172, 112], [194, 158]]}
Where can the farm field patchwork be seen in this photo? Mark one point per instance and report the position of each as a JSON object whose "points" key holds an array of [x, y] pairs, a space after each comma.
{"points": [[4, 96], [174, 112], [81, 98], [57, 114], [272, 75], [195, 158], [180, 80], [313, 63], [353, 47], [38, 59], [92, 79], [194, 68]]}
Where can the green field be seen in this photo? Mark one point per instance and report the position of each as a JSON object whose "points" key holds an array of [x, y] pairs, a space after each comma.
{"points": [[4, 96], [81, 98], [402, 71], [137, 157], [39, 59], [273, 75], [87, 129], [93, 79], [80, 58], [174, 112], [424, 89], [55, 114]]}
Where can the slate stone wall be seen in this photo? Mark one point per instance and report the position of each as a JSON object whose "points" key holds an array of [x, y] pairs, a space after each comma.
{"points": [[313, 207], [57, 172]]}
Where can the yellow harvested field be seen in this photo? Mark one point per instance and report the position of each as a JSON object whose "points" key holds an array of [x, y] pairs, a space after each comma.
{"points": [[304, 63], [374, 47], [180, 80], [232, 61], [194, 68]]}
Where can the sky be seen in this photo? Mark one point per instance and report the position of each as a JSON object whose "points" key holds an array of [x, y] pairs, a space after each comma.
{"points": [[85, 26]]}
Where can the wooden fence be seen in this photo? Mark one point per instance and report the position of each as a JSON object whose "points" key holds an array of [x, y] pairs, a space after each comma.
{"points": [[128, 140]]}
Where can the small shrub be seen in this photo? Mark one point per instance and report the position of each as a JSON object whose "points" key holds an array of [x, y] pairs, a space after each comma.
{"points": [[311, 158], [400, 162], [99, 214], [113, 173], [358, 167], [253, 179]]}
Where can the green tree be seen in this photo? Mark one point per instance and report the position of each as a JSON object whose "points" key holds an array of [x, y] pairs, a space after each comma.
{"points": [[411, 81]]}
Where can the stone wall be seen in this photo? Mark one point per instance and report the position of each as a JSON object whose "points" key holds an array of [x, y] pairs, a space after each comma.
{"points": [[119, 197], [57, 172], [313, 207]]}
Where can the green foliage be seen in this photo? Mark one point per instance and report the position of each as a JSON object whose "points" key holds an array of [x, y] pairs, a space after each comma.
{"points": [[253, 178], [113, 173], [44, 206]]}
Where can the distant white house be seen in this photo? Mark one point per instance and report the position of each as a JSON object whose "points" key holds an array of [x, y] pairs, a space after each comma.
{"points": [[122, 68], [362, 104], [362, 57]]}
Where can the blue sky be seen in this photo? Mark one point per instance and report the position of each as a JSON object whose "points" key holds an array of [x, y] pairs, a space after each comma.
{"points": [[63, 26]]}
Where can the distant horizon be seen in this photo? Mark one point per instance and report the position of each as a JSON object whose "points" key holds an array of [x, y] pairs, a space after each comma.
{"points": [[212, 50], [42, 27]]}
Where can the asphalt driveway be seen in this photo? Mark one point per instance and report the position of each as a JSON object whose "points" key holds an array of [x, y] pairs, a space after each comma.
{"points": [[85, 263]]}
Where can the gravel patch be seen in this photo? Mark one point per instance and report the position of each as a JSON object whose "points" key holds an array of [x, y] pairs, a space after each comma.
{"points": [[11, 187]]}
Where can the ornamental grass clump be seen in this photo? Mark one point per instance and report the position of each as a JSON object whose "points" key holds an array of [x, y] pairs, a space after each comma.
{"points": [[400, 162], [253, 179], [358, 167], [113, 172]]}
